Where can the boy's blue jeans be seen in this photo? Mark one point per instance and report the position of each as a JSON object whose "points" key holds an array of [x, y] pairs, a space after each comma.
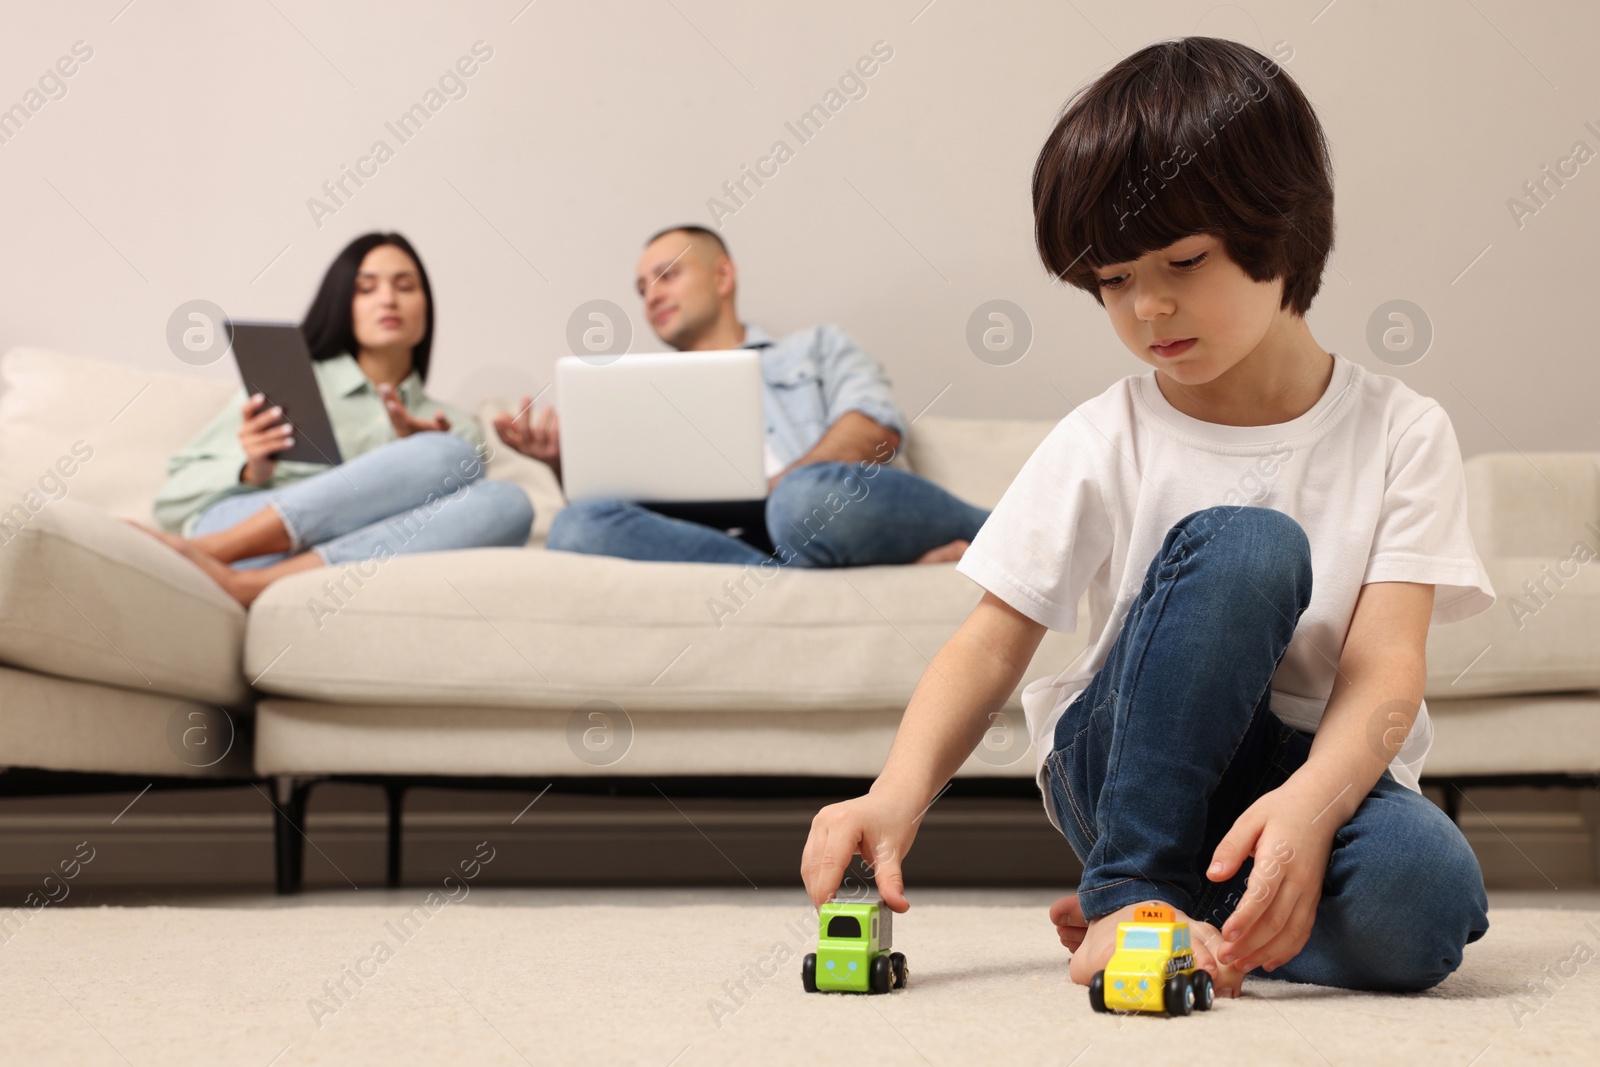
{"points": [[422, 493], [1173, 739]]}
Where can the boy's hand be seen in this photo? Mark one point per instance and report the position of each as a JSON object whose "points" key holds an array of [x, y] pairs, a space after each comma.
{"points": [[1290, 836], [877, 829]]}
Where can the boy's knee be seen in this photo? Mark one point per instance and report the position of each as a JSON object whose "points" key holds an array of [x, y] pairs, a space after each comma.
{"points": [[1420, 905], [1410, 958], [1261, 544], [1259, 529]]}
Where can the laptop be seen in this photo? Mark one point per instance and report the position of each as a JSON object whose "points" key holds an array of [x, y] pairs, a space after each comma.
{"points": [[672, 427], [274, 361]]}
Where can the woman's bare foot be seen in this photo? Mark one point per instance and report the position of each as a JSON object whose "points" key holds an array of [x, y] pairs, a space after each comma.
{"points": [[1097, 940], [172, 539], [259, 535], [944, 553], [243, 586]]}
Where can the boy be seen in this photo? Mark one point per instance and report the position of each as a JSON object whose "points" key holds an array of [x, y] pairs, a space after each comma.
{"points": [[1234, 744]]}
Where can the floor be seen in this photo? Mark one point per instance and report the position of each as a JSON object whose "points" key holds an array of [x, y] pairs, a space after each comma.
{"points": [[678, 977]]}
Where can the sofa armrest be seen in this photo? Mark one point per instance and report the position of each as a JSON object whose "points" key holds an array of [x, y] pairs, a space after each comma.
{"points": [[85, 596], [1536, 524]]}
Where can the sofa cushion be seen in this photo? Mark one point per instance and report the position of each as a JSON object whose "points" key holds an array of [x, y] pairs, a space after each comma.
{"points": [[1536, 524], [1541, 636], [1555, 733], [61, 725], [113, 426], [1533, 503], [976, 459], [309, 738], [83, 595], [539, 629], [1471, 737]]}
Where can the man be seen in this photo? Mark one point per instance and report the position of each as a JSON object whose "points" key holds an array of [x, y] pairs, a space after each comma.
{"points": [[832, 429]]}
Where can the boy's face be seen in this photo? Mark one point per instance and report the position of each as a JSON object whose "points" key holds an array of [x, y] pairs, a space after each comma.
{"points": [[1191, 291]]}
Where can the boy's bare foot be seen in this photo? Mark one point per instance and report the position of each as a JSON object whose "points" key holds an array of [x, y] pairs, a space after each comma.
{"points": [[944, 553], [1097, 940], [1071, 926]]}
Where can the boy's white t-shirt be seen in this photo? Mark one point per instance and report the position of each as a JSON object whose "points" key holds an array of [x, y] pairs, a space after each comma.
{"points": [[1372, 472]]}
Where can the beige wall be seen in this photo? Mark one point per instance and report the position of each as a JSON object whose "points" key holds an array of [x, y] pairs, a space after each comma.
{"points": [[180, 160]]}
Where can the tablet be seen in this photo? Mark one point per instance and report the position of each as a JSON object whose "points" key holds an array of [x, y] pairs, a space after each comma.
{"points": [[274, 361]]}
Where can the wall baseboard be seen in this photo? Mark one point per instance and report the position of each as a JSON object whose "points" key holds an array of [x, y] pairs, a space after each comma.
{"points": [[997, 843], [988, 843]]}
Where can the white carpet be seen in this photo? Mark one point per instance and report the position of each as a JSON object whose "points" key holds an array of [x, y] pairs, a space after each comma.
{"points": [[660, 985]]}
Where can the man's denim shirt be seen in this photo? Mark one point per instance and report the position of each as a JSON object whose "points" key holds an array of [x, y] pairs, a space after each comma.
{"points": [[810, 378]]}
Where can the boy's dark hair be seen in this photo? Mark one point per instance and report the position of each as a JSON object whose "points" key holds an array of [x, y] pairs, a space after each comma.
{"points": [[329, 328], [701, 230], [1196, 135]]}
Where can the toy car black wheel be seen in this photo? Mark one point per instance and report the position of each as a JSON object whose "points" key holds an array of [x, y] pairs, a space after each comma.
{"points": [[1097, 991], [1204, 991], [897, 961], [808, 972], [1179, 995], [882, 975]]}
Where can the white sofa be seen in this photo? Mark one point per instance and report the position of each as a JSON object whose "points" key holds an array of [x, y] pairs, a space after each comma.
{"points": [[118, 657]]}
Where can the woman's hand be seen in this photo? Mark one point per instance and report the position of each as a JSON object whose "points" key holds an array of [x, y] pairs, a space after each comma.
{"points": [[537, 438], [1289, 833], [877, 828], [405, 424], [263, 437]]}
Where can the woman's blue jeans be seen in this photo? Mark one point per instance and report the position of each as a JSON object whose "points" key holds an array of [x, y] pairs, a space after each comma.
{"points": [[1173, 739], [821, 515], [422, 493]]}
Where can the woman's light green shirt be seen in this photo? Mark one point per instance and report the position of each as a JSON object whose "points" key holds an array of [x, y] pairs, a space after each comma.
{"points": [[207, 469]]}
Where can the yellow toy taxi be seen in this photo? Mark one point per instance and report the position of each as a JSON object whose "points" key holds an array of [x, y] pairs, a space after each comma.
{"points": [[1153, 967]]}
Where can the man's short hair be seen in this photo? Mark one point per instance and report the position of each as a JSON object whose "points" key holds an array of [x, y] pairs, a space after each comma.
{"points": [[697, 230], [1195, 135]]}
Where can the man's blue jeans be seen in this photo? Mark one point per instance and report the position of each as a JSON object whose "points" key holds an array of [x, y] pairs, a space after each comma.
{"points": [[820, 515], [422, 493], [1172, 740]]}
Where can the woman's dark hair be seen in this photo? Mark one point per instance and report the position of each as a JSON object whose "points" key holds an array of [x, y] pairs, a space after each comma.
{"points": [[1196, 135], [328, 328]]}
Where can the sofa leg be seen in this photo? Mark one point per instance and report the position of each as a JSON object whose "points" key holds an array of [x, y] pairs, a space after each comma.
{"points": [[397, 797], [1452, 802], [1589, 805], [288, 832]]}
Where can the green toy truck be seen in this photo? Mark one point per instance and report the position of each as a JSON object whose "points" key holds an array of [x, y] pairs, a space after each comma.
{"points": [[853, 954]]}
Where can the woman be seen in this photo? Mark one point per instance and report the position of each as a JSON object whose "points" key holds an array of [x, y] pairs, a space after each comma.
{"points": [[412, 480]]}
